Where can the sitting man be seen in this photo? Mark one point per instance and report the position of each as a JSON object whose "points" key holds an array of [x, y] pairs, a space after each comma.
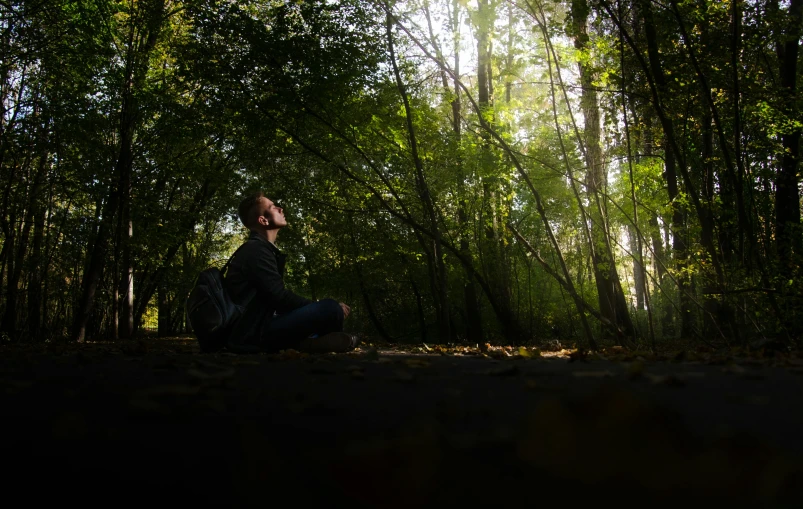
{"points": [[275, 318]]}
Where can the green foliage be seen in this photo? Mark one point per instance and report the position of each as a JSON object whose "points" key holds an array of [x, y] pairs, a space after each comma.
{"points": [[301, 99]]}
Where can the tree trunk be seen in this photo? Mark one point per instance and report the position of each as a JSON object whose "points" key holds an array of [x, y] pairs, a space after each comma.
{"points": [[787, 197], [710, 303], [164, 324], [367, 301], [661, 301], [441, 297], [419, 306], [483, 55], [35, 274], [97, 255], [9, 248], [471, 304], [369, 307], [126, 323], [612, 302], [141, 42], [639, 272], [9, 324], [670, 174], [494, 258]]}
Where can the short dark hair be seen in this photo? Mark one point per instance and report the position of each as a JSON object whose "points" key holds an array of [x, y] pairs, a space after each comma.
{"points": [[245, 210]]}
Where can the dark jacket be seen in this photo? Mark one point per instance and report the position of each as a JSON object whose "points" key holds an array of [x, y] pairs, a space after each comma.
{"points": [[255, 280]]}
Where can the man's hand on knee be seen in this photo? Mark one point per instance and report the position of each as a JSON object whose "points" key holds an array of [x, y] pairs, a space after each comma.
{"points": [[346, 310]]}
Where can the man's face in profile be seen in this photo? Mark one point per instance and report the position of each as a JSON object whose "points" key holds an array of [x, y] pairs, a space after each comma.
{"points": [[271, 215]]}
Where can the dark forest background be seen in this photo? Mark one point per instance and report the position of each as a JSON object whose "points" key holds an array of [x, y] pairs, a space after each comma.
{"points": [[457, 171]]}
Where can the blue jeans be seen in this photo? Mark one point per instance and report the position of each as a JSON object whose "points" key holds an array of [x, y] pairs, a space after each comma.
{"points": [[287, 330]]}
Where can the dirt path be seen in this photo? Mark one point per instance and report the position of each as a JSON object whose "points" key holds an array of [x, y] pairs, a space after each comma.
{"points": [[380, 428]]}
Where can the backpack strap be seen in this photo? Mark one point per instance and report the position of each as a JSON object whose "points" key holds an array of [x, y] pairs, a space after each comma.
{"points": [[226, 266]]}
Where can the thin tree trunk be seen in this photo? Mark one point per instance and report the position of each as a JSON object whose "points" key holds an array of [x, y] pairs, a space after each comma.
{"points": [[787, 196], [670, 174], [495, 263], [164, 323], [612, 302], [639, 277], [402, 213], [150, 283], [427, 200], [97, 257], [9, 324], [35, 274], [419, 305], [126, 292], [658, 91], [140, 45], [474, 328], [369, 306], [734, 175], [9, 246]]}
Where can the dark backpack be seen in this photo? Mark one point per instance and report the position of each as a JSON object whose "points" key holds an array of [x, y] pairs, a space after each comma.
{"points": [[210, 310]]}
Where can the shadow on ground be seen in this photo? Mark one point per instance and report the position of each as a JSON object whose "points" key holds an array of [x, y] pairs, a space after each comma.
{"points": [[158, 422]]}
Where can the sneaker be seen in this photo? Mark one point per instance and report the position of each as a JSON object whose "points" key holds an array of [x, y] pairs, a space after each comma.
{"points": [[337, 342]]}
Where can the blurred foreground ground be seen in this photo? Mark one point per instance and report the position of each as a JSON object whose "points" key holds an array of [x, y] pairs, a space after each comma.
{"points": [[156, 422]]}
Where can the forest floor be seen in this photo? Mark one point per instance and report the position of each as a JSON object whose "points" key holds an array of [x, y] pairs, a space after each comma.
{"points": [[156, 421]]}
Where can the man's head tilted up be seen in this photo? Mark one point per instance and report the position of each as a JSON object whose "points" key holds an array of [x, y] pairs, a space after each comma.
{"points": [[261, 215]]}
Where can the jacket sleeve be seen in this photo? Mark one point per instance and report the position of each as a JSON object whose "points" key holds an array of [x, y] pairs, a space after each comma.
{"points": [[270, 285]]}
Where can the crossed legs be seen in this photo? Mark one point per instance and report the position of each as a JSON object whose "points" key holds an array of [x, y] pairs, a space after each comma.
{"points": [[290, 330]]}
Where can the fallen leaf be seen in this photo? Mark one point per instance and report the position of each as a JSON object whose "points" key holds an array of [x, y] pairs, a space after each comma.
{"points": [[498, 354], [528, 354], [290, 354], [578, 355]]}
